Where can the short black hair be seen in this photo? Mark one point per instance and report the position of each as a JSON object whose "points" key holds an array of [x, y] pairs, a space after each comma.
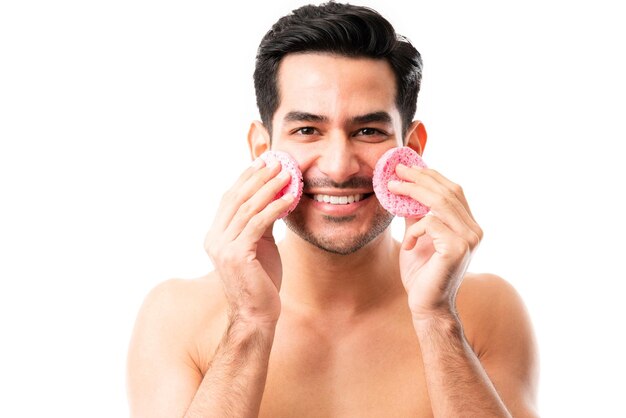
{"points": [[343, 29]]}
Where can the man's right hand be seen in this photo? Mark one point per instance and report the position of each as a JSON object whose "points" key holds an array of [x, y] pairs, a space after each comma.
{"points": [[242, 248]]}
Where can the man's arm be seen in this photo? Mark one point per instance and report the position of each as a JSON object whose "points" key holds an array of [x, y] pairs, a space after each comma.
{"points": [[234, 384], [503, 382], [164, 380], [434, 256]]}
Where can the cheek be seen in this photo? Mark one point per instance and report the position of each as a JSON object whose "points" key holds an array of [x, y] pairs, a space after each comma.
{"points": [[304, 155]]}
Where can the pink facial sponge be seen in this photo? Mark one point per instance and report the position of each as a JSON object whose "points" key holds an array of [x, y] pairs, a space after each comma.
{"points": [[295, 185], [385, 170]]}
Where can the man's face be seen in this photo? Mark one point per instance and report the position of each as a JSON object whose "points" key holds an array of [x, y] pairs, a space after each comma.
{"points": [[337, 116]]}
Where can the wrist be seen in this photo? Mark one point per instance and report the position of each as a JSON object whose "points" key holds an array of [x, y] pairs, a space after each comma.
{"points": [[245, 327], [447, 320]]}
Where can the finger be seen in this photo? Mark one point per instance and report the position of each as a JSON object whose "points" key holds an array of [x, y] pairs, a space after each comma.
{"points": [[258, 224], [256, 203], [410, 221], [427, 226], [443, 206], [435, 182], [444, 240], [454, 187], [247, 185], [412, 234], [443, 193]]}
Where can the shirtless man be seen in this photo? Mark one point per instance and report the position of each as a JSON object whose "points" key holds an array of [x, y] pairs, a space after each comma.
{"points": [[338, 319]]}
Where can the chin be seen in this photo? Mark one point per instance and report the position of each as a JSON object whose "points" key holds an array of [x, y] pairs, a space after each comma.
{"points": [[342, 235]]}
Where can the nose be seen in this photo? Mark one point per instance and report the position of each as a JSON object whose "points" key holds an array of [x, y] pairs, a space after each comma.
{"points": [[338, 160]]}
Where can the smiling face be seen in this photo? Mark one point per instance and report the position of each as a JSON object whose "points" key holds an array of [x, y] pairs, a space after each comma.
{"points": [[337, 116]]}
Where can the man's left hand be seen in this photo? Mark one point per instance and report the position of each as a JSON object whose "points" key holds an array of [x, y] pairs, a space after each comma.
{"points": [[436, 249]]}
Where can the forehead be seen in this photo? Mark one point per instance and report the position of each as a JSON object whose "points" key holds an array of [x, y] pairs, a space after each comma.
{"points": [[334, 85]]}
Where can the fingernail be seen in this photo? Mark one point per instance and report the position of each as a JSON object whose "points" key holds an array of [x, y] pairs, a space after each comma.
{"points": [[401, 165], [284, 174], [287, 196], [258, 163], [273, 163]]}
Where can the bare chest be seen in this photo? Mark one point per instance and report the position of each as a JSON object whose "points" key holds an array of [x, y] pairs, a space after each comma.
{"points": [[370, 371]]}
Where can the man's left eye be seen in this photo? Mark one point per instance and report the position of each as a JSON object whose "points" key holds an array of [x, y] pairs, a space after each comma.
{"points": [[369, 131]]}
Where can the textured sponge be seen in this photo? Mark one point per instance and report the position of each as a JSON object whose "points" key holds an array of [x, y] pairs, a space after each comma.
{"points": [[385, 170], [295, 185]]}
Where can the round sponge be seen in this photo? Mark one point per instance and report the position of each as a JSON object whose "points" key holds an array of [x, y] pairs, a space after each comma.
{"points": [[385, 170], [295, 185]]}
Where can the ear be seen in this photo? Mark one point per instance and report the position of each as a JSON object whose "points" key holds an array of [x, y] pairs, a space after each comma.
{"points": [[416, 137], [258, 139]]}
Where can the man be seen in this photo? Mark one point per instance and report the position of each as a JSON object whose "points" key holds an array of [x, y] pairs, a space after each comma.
{"points": [[338, 319]]}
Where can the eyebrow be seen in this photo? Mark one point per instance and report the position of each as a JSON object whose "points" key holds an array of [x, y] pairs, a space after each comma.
{"points": [[304, 117], [297, 116], [372, 117]]}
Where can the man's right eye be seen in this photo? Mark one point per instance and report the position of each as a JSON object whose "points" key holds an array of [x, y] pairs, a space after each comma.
{"points": [[305, 131]]}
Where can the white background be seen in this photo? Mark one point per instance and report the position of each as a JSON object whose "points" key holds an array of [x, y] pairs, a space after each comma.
{"points": [[122, 122]]}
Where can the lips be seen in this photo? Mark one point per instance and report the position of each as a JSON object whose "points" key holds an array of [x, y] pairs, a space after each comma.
{"points": [[339, 199]]}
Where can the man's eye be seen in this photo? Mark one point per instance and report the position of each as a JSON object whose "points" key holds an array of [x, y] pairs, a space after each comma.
{"points": [[369, 132], [306, 131]]}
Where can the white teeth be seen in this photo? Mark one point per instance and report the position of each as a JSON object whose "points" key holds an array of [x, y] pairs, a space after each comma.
{"points": [[338, 200]]}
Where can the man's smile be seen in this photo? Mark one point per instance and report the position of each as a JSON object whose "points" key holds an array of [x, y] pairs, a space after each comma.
{"points": [[339, 199]]}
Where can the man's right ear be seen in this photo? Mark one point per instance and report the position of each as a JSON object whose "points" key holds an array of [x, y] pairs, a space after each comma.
{"points": [[258, 139]]}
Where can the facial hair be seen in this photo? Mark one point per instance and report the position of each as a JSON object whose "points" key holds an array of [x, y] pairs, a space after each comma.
{"points": [[295, 221]]}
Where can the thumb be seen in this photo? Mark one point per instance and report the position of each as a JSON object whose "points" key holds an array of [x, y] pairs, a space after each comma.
{"points": [[269, 233], [408, 222]]}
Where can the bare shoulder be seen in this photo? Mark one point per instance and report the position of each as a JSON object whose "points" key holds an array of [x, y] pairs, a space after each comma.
{"points": [[190, 311], [176, 333], [486, 303], [182, 318], [498, 327], [194, 300], [483, 292]]}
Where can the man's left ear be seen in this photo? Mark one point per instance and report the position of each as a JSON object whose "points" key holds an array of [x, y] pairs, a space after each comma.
{"points": [[258, 139], [416, 137]]}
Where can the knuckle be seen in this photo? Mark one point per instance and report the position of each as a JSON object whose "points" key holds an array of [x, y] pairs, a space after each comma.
{"points": [[264, 175], [225, 254], [463, 247], [227, 195], [230, 257], [212, 251], [256, 221], [442, 200], [209, 244], [457, 189], [215, 250], [480, 233], [218, 252], [451, 195], [474, 241], [245, 209], [208, 247]]}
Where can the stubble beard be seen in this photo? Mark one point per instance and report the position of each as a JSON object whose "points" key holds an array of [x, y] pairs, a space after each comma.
{"points": [[344, 245]]}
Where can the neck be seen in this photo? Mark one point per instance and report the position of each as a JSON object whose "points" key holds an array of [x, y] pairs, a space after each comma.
{"points": [[323, 283]]}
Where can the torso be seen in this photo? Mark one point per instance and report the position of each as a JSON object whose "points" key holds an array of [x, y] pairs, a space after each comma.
{"points": [[370, 367]]}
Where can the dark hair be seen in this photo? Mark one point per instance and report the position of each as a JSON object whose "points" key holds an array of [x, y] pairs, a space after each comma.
{"points": [[343, 29]]}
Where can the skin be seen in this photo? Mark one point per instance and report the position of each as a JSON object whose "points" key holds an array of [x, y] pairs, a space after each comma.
{"points": [[294, 330]]}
